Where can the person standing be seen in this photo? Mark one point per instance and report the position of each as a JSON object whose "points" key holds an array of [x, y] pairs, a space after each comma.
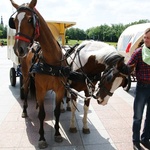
{"points": [[141, 59]]}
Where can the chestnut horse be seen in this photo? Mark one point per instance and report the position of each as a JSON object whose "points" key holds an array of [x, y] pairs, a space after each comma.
{"points": [[91, 58], [30, 26]]}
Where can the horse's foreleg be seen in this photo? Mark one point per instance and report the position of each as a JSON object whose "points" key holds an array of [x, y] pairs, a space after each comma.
{"points": [[85, 129], [41, 116], [73, 128], [25, 103], [58, 137], [62, 108]]}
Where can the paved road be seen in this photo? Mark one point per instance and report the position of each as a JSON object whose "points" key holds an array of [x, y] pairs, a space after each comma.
{"points": [[110, 125], [7, 100]]}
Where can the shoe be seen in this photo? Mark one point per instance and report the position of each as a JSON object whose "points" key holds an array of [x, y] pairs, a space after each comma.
{"points": [[146, 144], [136, 146]]}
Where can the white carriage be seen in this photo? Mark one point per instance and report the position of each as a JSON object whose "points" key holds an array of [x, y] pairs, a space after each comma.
{"points": [[129, 41]]}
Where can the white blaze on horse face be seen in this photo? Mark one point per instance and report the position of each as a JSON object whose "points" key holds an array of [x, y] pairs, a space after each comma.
{"points": [[20, 18], [115, 85]]}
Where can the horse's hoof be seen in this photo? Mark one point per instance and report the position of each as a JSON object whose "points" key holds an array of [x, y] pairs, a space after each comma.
{"points": [[73, 130], [86, 131], [42, 144], [62, 110], [58, 139], [68, 109], [24, 115]]}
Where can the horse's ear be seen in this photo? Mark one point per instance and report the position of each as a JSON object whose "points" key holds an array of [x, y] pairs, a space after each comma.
{"points": [[120, 61], [32, 3], [14, 4]]}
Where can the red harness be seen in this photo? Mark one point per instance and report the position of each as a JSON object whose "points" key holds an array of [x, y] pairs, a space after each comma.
{"points": [[22, 38]]}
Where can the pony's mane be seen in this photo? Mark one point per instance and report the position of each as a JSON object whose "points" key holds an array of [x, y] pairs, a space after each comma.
{"points": [[112, 58]]}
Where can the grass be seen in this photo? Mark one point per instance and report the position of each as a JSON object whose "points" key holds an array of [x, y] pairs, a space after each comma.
{"points": [[112, 43], [4, 41], [70, 42], [73, 42]]}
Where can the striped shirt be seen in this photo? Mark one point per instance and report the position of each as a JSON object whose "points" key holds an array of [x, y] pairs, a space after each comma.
{"points": [[142, 69]]}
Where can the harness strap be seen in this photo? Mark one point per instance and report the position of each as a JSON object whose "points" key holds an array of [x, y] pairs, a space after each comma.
{"points": [[44, 68], [37, 31], [105, 89], [70, 51], [90, 87]]}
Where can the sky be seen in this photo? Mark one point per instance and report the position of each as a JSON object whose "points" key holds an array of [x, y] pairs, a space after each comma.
{"points": [[86, 13]]}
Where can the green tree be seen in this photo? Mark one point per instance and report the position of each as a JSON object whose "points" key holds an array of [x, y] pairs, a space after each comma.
{"points": [[76, 34], [3, 31]]}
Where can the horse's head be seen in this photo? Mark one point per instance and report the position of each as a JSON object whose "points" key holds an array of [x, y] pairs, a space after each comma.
{"points": [[26, 24], [112, 78]]}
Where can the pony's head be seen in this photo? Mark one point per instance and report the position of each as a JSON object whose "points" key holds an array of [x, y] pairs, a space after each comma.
{"points": [[113, 77], [26, 24]]}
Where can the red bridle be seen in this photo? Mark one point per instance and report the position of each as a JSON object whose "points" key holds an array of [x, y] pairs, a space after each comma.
{"points": [[22, 38]]}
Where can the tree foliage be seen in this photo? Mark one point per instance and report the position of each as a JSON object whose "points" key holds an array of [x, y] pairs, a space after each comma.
{"points": [[103, 32], [75, 33], [3, 32]]}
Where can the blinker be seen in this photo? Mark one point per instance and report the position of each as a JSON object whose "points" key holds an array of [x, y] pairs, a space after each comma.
{"points": [[11, 23]]}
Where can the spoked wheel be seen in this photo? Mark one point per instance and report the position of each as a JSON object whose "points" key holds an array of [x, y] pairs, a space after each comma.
{"points": [[12, 76], [21, 88], [128, 86]]}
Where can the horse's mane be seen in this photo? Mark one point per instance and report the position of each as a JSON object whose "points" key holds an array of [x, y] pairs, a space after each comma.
{"points": [[39, 16], [112, 58]]}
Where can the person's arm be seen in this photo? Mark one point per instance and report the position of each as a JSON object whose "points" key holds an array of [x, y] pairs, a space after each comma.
{"points": [[134, 57]]}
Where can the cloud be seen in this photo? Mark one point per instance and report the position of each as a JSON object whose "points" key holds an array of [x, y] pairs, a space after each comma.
{"points": [[86, 13]]}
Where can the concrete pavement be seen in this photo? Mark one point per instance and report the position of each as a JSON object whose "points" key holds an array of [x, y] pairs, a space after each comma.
{"points": [[110, 125]]}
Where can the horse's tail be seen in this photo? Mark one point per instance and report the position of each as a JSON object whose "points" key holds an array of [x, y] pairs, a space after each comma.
{"points": [[32, 87]]}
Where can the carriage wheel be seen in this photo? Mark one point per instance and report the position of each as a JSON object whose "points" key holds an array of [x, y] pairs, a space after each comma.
{"points": [[128, 86], [21, 88], [12, 76]]}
